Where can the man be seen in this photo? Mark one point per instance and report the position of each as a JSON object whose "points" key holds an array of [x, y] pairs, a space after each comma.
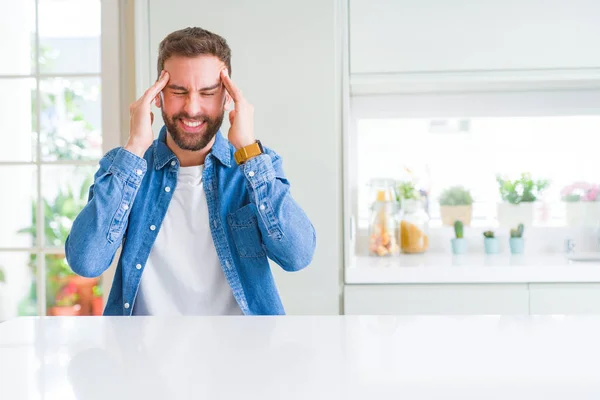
{"points": [[196, 215]]}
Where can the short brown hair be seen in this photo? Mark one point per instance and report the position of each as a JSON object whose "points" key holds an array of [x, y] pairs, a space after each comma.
{"points": [[193, 42]]}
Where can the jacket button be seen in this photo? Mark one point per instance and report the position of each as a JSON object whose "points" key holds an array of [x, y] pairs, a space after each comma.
{"points": [[152, 227], [126, 305], [251, 174], [139, 266], [167, 189]]}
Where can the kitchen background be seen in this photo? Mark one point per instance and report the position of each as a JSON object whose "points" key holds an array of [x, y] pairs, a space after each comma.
{"points": [[486, 112]]}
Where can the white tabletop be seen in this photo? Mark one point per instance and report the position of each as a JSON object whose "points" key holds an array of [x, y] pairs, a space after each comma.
{"points": [[300, 358]]}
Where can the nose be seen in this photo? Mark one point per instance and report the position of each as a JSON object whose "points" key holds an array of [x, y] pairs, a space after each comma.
{"points": [[193, 105]]}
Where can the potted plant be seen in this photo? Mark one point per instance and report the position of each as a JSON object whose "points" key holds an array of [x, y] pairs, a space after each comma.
{"points": [[456, 204], [97, 300], [66, 301], [59, 213], [490, 243], [518, 198], [582, 204], [459, 244], [517, 245]]}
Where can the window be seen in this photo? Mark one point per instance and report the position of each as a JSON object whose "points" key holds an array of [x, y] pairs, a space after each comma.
{"points": [[440, 140], [439, 153], [52, 134]]}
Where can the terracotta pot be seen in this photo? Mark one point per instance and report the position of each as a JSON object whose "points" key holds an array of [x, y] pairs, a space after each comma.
{"points": [[84, 290], [65, 311], [97, 306]]}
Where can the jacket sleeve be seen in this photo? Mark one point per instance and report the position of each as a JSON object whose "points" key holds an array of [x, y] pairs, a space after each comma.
{"points": [[98, 230], [288, 235]]}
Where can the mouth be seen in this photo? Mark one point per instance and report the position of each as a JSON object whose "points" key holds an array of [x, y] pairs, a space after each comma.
{"points": [[190, 125]]}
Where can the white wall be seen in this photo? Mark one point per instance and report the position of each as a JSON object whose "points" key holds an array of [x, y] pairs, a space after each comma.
{"points": [[286, 58]]}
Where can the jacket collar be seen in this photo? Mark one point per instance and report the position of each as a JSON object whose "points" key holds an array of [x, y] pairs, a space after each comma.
{"points": [[163, 155]]}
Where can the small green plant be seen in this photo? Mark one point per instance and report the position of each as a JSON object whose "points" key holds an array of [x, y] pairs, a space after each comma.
{"points": [[488, 234], [2, 276], [522, 190], [406, 191], [456, 196], [518, 232], [97, 291], [458, 229]]}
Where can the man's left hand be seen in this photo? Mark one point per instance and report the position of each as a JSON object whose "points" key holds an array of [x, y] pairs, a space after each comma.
{"points": [[241, 132]]}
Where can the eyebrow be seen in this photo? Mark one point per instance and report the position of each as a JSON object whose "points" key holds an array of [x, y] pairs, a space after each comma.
{"points": [[204, 89]]}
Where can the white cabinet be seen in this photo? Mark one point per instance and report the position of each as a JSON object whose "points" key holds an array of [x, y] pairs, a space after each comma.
{"points": [[564, 298], [471, 299], [408, 36]]}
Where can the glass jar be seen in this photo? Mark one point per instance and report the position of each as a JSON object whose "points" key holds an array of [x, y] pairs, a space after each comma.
{"points": [[383, 218], [414, 227]]}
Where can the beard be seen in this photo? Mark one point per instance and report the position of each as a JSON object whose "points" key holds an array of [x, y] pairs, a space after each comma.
{"points": [[193, 141]]}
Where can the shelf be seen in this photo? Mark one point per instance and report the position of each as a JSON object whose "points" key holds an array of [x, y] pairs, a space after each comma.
{"points": [[480, 268]]}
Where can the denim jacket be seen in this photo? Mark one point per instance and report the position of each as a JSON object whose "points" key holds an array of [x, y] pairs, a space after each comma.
{"points": [[252, 217]]}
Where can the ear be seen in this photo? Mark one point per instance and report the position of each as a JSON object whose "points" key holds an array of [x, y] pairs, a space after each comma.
{"points": [[227, 102], [158, 100]]}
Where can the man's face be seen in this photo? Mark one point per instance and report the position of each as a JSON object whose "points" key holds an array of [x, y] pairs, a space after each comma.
{"points": [[193, 100]]}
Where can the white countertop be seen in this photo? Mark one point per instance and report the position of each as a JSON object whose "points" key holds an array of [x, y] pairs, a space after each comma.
{"points": [[268, 358], [442, 268]]}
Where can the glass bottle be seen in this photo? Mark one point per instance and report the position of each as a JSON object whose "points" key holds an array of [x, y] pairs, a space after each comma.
{"points": [[414, 227], [383, 218]]}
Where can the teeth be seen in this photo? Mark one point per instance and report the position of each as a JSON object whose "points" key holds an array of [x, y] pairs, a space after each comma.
{"points": [[192, 124]]}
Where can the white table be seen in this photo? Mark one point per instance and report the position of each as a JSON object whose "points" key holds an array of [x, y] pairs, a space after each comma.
{"points": [[300, 358]]}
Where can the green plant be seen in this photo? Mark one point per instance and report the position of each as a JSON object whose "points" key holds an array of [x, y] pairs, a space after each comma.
{"points": [[518, 232], [522, 190], [59, 214], [458, 229], [489, 234], [456, 196], [406, 191], [2, 276], [97, 291]]}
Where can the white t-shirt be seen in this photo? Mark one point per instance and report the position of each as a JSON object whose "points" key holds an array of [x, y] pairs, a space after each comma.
{"points": [[183, 275]]}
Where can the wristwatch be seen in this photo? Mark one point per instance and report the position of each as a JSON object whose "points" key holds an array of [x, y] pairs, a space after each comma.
{"points": [[245, 153]]}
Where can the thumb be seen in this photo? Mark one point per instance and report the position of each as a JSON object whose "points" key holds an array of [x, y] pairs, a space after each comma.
{"points": [[231, 117]]}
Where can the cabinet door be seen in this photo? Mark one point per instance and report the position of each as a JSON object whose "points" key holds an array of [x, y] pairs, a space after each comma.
{"points": [[496, 299], [564, 298], [408, 36]]}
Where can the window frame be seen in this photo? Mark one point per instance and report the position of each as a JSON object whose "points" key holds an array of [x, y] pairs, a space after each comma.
{"points": [[109, 75]]}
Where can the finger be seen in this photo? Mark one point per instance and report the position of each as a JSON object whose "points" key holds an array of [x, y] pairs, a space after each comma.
{"points": [[155, 89], [233, 90]]}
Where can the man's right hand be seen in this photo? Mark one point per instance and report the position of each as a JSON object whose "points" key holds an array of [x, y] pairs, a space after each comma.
{"points": [[141, 118]]}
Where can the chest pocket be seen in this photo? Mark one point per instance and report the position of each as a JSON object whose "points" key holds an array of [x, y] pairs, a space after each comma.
{"points": [[246, 235]]}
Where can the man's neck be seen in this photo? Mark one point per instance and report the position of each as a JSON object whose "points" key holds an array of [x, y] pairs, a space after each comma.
{"points": [[189, 158]]}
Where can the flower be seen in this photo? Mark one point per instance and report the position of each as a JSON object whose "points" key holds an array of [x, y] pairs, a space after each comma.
{"points": [[580, 191]]}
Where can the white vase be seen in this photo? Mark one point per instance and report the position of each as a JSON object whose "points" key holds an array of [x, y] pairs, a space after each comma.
{"points": [[583, 213], [511, 215]]}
